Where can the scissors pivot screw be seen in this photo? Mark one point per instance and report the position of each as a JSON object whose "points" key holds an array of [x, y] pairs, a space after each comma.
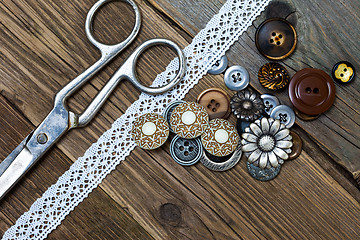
{"points": [[42, 138]]}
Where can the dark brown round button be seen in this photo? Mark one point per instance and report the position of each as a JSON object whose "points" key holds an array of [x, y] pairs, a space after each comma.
{"points": [[305, 117], [276, 38], [216, 103], [312, 91], [273, 76], [297, 145]]}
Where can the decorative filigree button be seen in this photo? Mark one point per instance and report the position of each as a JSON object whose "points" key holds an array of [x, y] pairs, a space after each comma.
{"points": [[273, 76], [247, 105], [169, 109]]}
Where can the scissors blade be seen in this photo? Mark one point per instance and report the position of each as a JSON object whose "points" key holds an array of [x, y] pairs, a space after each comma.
{"points": [[15, 166]]}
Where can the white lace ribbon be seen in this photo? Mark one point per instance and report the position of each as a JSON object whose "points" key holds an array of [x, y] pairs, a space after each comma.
{"points": [[115, 144]]}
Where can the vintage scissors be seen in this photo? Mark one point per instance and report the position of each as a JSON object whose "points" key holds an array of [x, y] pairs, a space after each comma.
{"points": [[60, 119]]}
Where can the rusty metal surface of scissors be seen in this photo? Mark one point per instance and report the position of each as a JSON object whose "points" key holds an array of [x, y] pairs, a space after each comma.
{"points": [[61, 119]]}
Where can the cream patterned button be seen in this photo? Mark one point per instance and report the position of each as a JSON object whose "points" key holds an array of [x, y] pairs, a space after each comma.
{"points": [[189, 120], [221, 138], [150, 131]]}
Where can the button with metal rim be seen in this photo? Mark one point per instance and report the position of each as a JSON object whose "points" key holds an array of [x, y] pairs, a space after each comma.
{"points": [[343, 72], [270, 102], [285, 114], [186, 152], [273, 76], [216, 102], [169, 109], [219, 66], [276, 38], [242, 125], [221, 163], [236, 78], [265, 174]]}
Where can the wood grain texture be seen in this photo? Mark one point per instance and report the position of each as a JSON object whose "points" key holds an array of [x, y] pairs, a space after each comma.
{"points": [[44, 46]]}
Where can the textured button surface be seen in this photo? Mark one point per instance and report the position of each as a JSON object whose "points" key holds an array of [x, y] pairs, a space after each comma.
{"points": [[312, 91], [285, 114], [221, 163], [150, 131], [242, 125], [263, 174], [236, 78], [247, 105], [216, 103], [189, 120], [297, 147], [186, 151], [219, 66], [273, 76], [276, 38], [343, 72], [169, 109], [270, 101], [220, 138]]}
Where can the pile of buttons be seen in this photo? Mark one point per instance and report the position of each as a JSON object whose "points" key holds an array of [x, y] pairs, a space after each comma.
{"points": [[263, 127]]}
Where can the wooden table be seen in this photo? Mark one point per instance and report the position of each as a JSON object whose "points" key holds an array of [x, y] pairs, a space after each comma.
{"points": [[149, 196]]}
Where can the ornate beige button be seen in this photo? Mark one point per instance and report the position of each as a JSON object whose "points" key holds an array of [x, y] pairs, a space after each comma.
{"points": [[189, 120], [150, 131], [220, 138]]}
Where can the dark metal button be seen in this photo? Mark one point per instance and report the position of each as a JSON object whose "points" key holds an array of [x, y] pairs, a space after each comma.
{"points": [[169, 109], [312, 91], [285, 114], [216, 103], [273, 76], [270, 101], [247, 105], [221, 163], [236, 78], [265, 174], [242, 125], [297, 147], [219, 66], [276, 38], [343, 72], [186, 151]]}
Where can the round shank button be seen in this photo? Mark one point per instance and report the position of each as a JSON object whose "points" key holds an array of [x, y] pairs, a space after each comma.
{"points": [[186, 152], [270, 101], [150, 131], [216, 103], [189, 120], [297, 147], [260, 174], [312, 91], [236, 78], [276, 38], [285, 114], [273, 76], [220, 138], [219, 66], [343, 72]]}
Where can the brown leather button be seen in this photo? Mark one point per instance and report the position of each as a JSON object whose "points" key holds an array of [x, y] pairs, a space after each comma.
{"points": [[273, 76], [216, 103], [297, 145], [312, 91], [276, 38]]}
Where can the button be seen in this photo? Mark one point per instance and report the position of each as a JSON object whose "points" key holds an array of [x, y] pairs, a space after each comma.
{"points": [[247, 105], [150, 131], [266, 143], [169, 109], [186, 152], [343, 72], [221, 163], [276, 38], [270, 101], [306, 117], [242, 125], [236, 78], [312, 91], [273, 76], [285, 114], [189, 120], [220, 138], [216, 103], [297, 147], [219, 66], [264, 175]]}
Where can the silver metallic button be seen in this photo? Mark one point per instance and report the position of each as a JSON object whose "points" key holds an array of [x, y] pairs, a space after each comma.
{"points": [[169, 109], [186, 152], [285, 114], [263, 174], [236, 78], [221, 163], [270, 102], [219, 66]]}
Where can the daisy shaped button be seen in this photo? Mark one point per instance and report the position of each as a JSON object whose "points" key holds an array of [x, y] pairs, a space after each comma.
{"points": [[189, 120], [221, 138], [150, 131]]}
